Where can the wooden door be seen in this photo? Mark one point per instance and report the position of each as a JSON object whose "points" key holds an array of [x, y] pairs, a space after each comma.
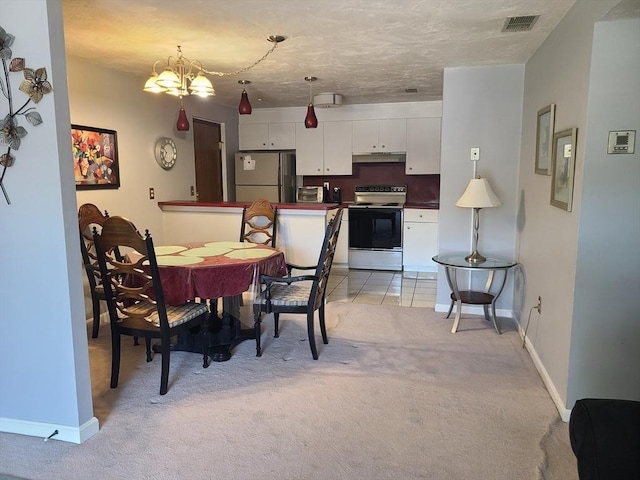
{"points": [[208, 160]]}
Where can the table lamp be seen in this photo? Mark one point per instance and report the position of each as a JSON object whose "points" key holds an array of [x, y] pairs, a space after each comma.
{"points": [[477, 195]]}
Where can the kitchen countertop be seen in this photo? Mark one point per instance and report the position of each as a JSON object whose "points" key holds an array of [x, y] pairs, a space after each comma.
{"points": [[281, 206], [286, 206]]}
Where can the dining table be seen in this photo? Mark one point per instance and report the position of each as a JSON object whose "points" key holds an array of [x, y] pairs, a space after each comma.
{"points": [[208, 271]]}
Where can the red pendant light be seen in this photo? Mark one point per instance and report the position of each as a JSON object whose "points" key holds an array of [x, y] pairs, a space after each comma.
{"points": [[310, 121], [183, 122], [245, 107]]}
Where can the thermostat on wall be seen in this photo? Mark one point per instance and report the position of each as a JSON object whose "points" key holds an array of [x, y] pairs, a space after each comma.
{"points": [[622, 141]]}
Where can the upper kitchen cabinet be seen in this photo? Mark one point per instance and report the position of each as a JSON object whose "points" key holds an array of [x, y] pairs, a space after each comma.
{"points": [[337, 148], [385, 135], [309, 150], [423, 146], [325, 150], [267, 136]]}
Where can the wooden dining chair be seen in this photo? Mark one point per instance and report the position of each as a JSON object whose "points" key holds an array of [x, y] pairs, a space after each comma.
{"points": [[90, 216], [259, 223], [136, 305], [299, 294]]}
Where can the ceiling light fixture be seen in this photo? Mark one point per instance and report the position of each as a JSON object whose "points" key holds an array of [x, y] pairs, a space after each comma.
{"points": [[310, 121], [245, 107], [181, 76]]}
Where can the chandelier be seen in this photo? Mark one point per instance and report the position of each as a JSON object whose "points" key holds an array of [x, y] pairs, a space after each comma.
{"points": [[181, 76]]}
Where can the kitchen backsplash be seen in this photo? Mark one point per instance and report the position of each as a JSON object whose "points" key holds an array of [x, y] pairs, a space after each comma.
{"points": [[421, 189]]}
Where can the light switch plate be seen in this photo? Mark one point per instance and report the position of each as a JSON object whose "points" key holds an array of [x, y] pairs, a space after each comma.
{"points": [[475, 153]]}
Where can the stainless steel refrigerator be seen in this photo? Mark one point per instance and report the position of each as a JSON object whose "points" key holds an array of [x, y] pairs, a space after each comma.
{"points": [[268, 175]]}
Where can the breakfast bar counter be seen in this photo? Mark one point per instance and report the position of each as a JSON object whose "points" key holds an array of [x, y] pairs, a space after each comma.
{"points": [[300, 231]]}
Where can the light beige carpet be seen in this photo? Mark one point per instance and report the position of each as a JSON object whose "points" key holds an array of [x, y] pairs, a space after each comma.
{"points": [[394, 395]]}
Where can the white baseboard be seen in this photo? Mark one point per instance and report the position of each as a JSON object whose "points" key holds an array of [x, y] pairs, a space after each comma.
{"points": [[473, 310], [564, 412], [44, 430]]}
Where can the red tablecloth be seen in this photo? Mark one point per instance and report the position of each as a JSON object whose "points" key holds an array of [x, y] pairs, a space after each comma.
{"points": [[214, 269]]}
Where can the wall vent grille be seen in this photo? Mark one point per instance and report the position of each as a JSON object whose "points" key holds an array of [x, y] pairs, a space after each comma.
{"points": [[520, 24]]}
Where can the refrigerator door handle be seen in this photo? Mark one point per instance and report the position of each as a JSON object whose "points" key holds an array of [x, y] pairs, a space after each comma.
{"points": [[280, 181]]}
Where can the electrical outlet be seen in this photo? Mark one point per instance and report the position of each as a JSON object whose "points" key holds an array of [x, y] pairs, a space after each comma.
{"points": [[326, 185], [539, 305], [475, 153], [152, 193], [193, 191]]}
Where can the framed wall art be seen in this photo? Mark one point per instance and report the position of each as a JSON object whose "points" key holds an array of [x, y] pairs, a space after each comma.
{"points": [[544, 137], [95, 157], [563, 163]]}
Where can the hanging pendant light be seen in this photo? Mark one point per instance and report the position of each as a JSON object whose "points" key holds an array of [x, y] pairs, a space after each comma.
{"points": [[183, 122], [310, 121], [245, 107]]}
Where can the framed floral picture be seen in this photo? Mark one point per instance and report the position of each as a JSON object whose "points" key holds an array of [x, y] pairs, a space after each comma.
{"points": [[544, 137], [563, 167], [95, 157]]}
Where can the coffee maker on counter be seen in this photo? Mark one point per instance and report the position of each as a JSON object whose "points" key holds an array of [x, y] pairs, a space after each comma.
{"points": [[337, 195]]}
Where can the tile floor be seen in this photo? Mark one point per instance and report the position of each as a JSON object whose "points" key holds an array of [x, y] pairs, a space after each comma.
{"points": [[404, 289]]}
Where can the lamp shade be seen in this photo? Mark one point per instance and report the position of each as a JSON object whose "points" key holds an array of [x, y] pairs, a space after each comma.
{"points": [[478, 195]]}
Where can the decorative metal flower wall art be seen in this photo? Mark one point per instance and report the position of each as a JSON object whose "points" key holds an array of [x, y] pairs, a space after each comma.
{"points": [[35, 85]]}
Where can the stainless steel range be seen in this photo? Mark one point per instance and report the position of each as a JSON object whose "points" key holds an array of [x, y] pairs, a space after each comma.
{"points": [[375, 227]]}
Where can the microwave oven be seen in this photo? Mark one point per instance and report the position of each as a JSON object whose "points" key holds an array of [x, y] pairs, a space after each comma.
{"points": [[310, 194]]}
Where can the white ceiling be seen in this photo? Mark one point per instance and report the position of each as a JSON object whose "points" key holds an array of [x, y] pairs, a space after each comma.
{"points": [[369, 51]]}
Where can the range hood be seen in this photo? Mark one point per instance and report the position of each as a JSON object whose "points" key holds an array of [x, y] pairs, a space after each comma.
{"points": [[398, 157]]}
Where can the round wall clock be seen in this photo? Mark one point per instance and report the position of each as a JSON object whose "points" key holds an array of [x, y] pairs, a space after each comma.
{"points": [[166, 152]]}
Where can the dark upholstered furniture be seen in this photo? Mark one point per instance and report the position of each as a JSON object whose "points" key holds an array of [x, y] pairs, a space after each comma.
{"points": [[605, 437]]}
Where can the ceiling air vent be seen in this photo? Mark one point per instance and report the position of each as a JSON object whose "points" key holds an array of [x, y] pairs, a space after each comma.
{"points": [[520, 24]]}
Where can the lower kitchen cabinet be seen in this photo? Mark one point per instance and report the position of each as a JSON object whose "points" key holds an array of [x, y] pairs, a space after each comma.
{"points": [[420, 240]]}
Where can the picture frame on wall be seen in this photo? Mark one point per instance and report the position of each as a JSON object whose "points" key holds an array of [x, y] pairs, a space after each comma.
{"points": [[563, 166], [544, 139], [95, 157]]}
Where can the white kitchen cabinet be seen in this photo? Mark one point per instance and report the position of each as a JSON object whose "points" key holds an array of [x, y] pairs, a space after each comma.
{"points": [[267, 136], [423, 146], [337, 143], [325, 150], [420, 240], [373, 136], [309, 150]]}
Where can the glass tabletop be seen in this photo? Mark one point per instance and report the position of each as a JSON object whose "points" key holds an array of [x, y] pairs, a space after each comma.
{"points": [[457, 260]]}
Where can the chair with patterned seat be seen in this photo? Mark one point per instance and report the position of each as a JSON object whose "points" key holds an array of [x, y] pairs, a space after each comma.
{"points": [[90, 216], [300, 294], [136, 304]]}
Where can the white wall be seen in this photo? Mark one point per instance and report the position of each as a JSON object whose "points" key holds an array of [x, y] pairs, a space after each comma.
{"points": [[44, 378], [558, 72], [112, 100], [605, 336], [482, 107]]}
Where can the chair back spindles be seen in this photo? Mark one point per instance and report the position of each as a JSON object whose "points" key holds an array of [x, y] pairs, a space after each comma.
{"points": [[135, 297], [89, 219], [259, 223]]}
